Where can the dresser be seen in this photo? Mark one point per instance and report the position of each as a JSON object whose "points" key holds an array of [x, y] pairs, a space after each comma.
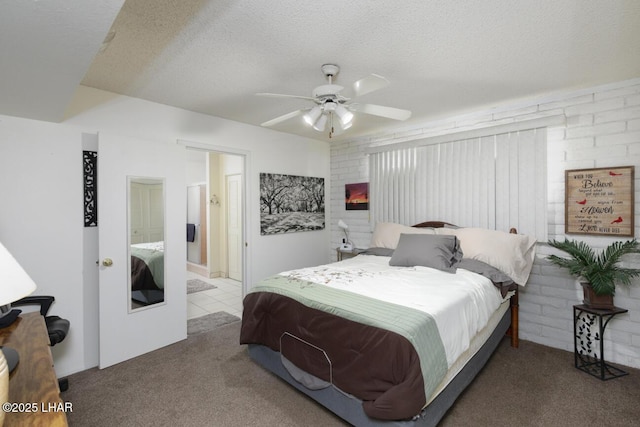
{"points": [[34, 396]]}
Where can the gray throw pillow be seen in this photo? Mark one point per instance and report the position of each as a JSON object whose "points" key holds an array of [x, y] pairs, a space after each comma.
{"points": [[427, 250], [378, 251], [499, 279]]}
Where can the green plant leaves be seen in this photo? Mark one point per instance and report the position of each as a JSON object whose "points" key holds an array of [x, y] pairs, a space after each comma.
{"points": [[600, 270]]}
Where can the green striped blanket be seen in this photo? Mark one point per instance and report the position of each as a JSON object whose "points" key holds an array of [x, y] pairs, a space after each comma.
{"points": [[416, 326]]}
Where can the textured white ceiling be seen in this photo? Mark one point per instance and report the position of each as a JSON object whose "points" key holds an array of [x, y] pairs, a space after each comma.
{"points": [[46, 48], [442, 57]]}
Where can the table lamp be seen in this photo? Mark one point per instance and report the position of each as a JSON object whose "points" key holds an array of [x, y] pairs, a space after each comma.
{"points": [[15, 283], [346, 244]]}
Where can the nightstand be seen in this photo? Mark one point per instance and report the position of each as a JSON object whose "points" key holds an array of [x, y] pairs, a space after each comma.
{"points": [[588, 331], [348, 254]]}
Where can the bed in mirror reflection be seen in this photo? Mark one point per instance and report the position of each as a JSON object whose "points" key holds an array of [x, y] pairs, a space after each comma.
{"points": [[146, 241]]}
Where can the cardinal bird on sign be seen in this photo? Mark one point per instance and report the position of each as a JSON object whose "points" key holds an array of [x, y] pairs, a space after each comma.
{"points": [[582, 202], [617, 220], [614, 174]]}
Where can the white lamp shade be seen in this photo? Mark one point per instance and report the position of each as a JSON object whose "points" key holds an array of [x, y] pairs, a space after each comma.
{"points": [[15, 283], [321, 123], [343, 225], [345, 116], [318, 116], [312, 116]]}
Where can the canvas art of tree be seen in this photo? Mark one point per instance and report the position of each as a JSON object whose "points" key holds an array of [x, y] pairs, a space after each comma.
{"points": [[290, 203]]}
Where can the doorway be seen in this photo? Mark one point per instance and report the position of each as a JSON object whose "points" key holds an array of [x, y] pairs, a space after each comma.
{"points": [[215, 261]]}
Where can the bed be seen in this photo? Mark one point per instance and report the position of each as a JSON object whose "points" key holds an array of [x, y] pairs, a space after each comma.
{"points": [[147, 272], [395, 334]]}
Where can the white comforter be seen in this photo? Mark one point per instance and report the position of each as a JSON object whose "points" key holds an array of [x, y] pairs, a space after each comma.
{"points": [[460, 303]]}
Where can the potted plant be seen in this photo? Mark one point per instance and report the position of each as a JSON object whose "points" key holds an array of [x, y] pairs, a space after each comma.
{"points": [[598, 273]]}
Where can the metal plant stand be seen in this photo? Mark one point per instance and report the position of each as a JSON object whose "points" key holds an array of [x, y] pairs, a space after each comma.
{"points": [[588, 330]]}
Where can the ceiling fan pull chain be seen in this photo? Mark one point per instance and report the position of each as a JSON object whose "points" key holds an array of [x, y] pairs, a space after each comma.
{"points": [[330, 125]]}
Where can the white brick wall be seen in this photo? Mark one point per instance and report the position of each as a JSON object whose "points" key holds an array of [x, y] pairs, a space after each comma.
{"points": [[602, 129]]}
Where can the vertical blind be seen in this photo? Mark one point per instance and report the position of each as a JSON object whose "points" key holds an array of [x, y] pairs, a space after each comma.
{"points": [[496, 182]]}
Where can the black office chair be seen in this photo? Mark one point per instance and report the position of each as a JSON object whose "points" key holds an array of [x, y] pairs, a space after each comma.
{"points": [[57, 327]]}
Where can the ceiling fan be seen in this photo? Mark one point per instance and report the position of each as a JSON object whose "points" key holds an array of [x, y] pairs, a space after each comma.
{"points": [[335, 109]]}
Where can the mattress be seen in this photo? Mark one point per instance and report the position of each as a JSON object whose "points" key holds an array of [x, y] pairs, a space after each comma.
{"points": [[476, 343], [392, 384], [450, 298]]}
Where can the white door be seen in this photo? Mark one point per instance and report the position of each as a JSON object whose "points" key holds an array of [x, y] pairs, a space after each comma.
{"points": [[125, 332], [234, 226]]}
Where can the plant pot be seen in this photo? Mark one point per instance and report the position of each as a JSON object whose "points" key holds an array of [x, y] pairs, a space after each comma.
{"points": [[591, 299]]}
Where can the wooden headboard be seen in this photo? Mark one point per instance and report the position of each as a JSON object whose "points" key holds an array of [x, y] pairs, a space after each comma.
{"points": [[441, 224], [434, 224]]}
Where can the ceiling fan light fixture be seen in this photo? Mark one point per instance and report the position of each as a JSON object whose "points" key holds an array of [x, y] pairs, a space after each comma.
{"points": [[329, 107], [320, 123], [345, 116], [332, 109], [312, 116]]}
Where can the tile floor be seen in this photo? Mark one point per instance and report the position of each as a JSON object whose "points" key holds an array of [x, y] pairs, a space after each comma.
{"points": [[226, 297]]}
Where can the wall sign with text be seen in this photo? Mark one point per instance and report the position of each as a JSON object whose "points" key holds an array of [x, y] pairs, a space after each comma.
{"points": [[599, 201]]}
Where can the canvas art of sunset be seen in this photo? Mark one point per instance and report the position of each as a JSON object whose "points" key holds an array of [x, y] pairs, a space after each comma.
{"points": [[356, 196]]}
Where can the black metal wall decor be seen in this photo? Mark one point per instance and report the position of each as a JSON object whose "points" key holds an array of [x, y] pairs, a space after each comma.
{"points": [[90, 175]]}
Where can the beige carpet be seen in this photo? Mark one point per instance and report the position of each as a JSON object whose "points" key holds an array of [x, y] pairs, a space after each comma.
{"points": [[199, 325], [208, 380]]}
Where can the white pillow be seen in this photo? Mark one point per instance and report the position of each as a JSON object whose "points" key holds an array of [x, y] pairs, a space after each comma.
{"points": [[387, 234], [513, 254]]}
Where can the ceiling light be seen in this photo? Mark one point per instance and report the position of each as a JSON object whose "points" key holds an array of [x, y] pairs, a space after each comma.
{"points": [[345, 116], [329, 106], [320, 123], [319, 115], [312, 116]]}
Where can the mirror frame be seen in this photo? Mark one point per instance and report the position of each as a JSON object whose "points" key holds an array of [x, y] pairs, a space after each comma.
{"points": [[132, 179]]}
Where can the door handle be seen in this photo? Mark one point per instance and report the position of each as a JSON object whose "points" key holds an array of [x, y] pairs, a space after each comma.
{"points": [[107, 262]]}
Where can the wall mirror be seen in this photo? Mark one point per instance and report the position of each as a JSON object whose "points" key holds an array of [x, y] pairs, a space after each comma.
{"points": [[146, 211]]}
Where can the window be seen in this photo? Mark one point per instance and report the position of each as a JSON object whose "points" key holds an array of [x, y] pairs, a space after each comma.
{"points": [[495, 181]]}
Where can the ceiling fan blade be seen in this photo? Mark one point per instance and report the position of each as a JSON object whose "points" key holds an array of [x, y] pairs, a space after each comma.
{"points": [[282, 95], [369, 84], [284, 117], [382, 111]]}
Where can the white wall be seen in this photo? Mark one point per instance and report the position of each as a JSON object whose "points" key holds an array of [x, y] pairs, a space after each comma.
{"points": [[41, 219], [602, 129], [196, 167], [41, 189]]}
